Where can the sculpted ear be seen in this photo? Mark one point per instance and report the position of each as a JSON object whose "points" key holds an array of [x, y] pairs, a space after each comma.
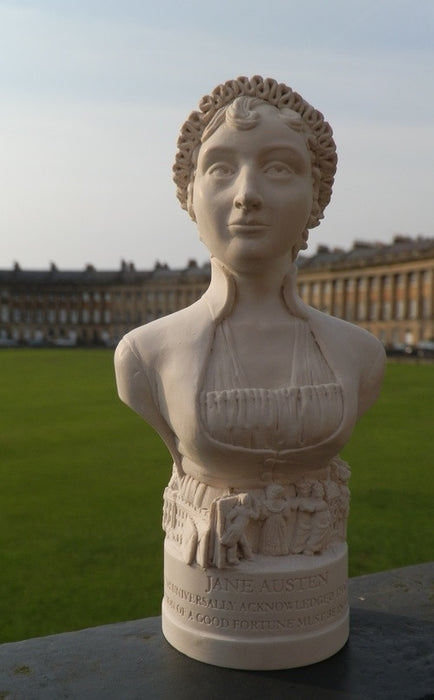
{"points": [[190, 208]]}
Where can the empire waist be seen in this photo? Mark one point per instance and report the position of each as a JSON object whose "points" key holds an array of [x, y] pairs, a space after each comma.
{"points": [[256, 473]]}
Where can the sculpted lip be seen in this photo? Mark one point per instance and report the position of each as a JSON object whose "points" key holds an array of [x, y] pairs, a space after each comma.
{"points": [[247, 227], [247, 222]]}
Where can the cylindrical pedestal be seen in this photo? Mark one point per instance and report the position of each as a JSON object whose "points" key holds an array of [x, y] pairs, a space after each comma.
{"points": [[270, 613]]}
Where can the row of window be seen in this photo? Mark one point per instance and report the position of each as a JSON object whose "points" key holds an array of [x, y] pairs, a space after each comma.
{"points": [[186, 296], [375, 311], [74, 317], [349, 284], [52, 316]]}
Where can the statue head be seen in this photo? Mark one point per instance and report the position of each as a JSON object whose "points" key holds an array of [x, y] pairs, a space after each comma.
{"points": [[275, 498], [238, 103], [304, 487]]}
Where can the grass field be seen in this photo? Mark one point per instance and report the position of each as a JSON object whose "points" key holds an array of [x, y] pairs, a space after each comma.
{"points": [[81, 482]]}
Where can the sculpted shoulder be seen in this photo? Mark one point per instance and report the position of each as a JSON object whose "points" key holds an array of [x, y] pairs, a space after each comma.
{"points": [[343, 331], [148, 342], [355, 348], [138, 359]]}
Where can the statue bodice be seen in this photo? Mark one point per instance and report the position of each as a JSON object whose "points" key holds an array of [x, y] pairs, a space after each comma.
{"points": [[304, 411]]}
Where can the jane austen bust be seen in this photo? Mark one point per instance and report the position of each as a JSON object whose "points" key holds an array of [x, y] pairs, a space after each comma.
{"points": [[254, 393]]}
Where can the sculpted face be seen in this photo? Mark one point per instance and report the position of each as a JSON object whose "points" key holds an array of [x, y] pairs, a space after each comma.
{"points": [[252, 192]]}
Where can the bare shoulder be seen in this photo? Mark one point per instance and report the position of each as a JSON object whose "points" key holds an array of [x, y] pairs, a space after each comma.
{"points": [[136, 367], [358, 349], [144, 344], [361, 342], [357, 341]]}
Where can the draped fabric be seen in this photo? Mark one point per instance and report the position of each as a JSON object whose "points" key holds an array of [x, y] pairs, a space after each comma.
{"points": [[304, 412]]}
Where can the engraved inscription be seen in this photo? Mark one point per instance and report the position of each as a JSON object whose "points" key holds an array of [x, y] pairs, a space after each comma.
{"points": [[220, 583], [261, 604]]}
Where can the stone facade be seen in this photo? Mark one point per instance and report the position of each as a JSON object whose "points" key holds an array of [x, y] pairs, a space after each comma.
{"points": [[91, 307], [387, 289]]}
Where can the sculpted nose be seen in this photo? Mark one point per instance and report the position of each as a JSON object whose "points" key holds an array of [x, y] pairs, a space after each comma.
{"points": [[247, 196]]}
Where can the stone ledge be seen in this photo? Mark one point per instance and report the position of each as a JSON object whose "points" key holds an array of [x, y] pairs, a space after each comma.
{"points": [[408, 591], [389, 656]]}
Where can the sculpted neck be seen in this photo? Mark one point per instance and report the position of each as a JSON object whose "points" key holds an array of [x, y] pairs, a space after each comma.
{"points": [[259, 295], [267, 292]]}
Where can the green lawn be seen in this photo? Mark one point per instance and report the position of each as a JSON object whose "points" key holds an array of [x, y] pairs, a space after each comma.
{"points": [[81, 482], [392, 458]]}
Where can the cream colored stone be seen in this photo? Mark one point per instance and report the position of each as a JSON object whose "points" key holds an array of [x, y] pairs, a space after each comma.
{"points": [[261, 615], [254, 394]]}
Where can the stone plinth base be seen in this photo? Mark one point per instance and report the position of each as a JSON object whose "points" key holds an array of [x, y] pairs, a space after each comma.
{"points": [[269, 613]]}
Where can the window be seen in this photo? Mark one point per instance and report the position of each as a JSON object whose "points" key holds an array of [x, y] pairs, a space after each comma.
{"points": [[395, 335], [412, 310], [399, 309], [386, 310]]}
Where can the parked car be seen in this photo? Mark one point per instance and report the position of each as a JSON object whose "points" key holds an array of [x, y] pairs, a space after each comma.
{"points": [[400, 350], [65, 343], [425, 348], [37, 343]]}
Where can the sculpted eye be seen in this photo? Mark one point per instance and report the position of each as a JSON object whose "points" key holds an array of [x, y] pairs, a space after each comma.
{"points": [[221, 170], [277, 169]]}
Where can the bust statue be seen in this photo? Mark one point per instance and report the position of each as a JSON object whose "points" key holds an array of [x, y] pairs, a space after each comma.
{"points": [[254, 394]]}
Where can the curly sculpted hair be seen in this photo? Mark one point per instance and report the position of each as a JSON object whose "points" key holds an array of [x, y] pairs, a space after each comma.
{"points": [[318, 132]]}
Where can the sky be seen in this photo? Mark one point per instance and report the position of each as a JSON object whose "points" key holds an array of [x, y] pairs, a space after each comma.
{"points": [[93, 94]]}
